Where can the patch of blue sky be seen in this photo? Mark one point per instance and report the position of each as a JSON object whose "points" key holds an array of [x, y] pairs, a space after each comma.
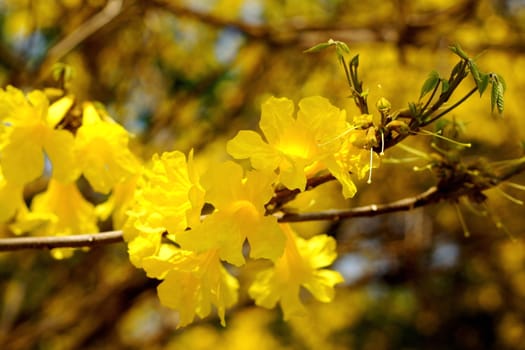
{"points": [[228, 44]]}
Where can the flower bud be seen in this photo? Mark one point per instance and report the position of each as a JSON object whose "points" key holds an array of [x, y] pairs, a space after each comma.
{"points": [[383, 105]]}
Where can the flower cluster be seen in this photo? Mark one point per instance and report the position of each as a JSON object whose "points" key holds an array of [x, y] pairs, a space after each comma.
{"points": [[192, 231], [61, 141], [197, 255], [320, 138]]}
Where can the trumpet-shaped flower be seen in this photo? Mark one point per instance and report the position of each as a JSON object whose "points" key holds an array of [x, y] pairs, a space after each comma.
{"points": [[293, 145], [28, 130], [168, 200], [352, 159], [119, 202], [11, 199], [192, 283], [299, 266], [59, 211], [102, 151], [239, 216]]}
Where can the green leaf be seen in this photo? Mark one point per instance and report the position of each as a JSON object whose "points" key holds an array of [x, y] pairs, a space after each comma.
{"points": [[481, 79], [498, 90], [459, 51], [499, 98], [317, 48], [444, 85], [429, 84], [456, 70], [496, 96], [340, 47], [63, 72], [483, 83], [413, 109], [493, 97], [502, 81], [355, 61], [474, 71]]}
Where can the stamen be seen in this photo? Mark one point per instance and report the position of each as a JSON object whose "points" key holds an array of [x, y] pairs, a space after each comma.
{"points": [[369, 181], [515, 185], [509, 197], [337, 137], [428, 133], [382, 143], [497, 221], [466, 231]]}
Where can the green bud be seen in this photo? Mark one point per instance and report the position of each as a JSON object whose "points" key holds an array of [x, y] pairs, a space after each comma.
{"points": [[383, 105], [398, 126]]}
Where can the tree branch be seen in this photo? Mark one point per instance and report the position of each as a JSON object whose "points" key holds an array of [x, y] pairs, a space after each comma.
{"points": [[73, 241], [435, 194], [432, 195], [77, 36]]}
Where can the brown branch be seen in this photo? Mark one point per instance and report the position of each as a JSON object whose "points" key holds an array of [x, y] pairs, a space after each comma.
{"points": [[80, 34], [434, 194], [285, 195], [73, 241]]}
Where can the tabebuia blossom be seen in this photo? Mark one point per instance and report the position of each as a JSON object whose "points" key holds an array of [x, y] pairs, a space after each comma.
{"points": [[301, 265], [28, 135], [298, 147], [239, 215], [168, 200], [192, 282]]}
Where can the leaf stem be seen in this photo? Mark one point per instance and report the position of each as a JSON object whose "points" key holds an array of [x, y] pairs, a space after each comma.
{"points": [[449, 109]]}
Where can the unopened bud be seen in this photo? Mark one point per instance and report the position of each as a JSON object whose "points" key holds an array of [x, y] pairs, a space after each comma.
{"points": [[383, 105], [399, 126]]}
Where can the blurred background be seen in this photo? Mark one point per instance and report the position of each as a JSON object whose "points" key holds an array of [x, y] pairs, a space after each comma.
{"points": [[190, 74]]}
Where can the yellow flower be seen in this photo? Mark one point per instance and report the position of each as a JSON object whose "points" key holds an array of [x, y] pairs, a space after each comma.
{"points": [[11, 199], [168, 200], [300, 266], [59, 211], [119, 202], [293, 145], [240, 215], [102, 151], [27, 131], [192, 283]]}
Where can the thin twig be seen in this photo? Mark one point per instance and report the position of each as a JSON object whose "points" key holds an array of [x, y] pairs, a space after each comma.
{"points": [[77, 36], [430, 196], [73, 241]]}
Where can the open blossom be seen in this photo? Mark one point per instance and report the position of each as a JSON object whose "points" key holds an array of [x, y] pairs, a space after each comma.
{"points": [[102, 150], [168, 200], [59, 211], [11, 199], [239, 215], [294, 145], [28, 131], [318, 139], [192, 282], [301, 265]]}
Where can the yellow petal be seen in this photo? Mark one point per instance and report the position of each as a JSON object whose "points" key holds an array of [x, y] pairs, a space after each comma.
{"points": [[60, 146], [90, 114], [58, 110], [276, 115], [249, 144], [11, 199], [103, 154], [22, 157], [265, 237]]}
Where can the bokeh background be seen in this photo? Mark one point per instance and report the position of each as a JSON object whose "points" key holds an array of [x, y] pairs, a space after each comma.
{"points": [[190, 74]]}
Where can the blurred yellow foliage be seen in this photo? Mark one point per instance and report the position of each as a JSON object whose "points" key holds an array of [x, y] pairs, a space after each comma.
{"points": [[188, 75]]}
